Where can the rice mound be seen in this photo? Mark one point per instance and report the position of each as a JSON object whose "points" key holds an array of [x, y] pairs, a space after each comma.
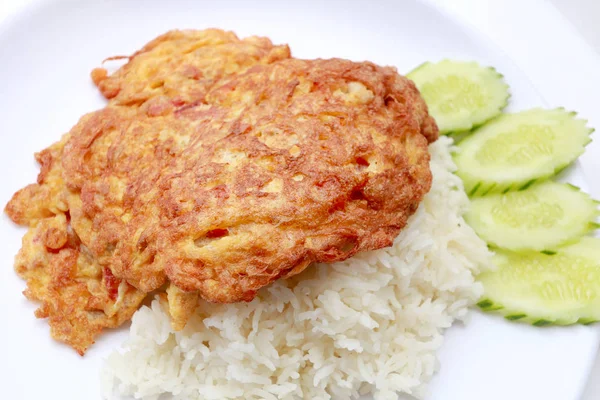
{"points": [[370, 324]]}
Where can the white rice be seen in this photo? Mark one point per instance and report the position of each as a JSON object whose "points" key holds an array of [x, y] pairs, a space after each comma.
{"points": [[372, 323]]}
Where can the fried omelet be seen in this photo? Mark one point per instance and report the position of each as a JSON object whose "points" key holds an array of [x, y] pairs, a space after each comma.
{"points": [[77, 290], [219, 166]]}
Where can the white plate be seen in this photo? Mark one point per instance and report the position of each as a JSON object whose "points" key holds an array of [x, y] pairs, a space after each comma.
{"points": [[47, 53]]}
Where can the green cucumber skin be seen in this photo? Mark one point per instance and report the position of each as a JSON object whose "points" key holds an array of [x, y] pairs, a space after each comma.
{"points": [[475, 187], [516, 316], [480, 188], [586, 313], [578, 213], [469, 125]]}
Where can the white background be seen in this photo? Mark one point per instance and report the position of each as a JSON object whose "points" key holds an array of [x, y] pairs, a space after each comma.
{"points": [[584, 15], [556, 47]]}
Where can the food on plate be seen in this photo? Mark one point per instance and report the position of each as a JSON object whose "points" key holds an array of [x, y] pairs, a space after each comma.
{"points": [[560, 288], [460, 95], [217, 184], [541, 217], [547, 271], [370, 324], [78, 291], [282, 166], [78, 296], [222, 168], [180, 67], [515, 150]]}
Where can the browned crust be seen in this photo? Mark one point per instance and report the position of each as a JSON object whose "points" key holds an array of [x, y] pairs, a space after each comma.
{"points": [[184, 65], [217, 182], [78, 296]]}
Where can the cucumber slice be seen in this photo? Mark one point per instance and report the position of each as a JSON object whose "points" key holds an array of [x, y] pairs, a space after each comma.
{"points": [[544, 289], [515, 150], [541, 217], [460, 95]]}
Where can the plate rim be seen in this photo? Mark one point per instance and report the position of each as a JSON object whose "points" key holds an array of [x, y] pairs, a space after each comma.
{"points": [[31, 6]]}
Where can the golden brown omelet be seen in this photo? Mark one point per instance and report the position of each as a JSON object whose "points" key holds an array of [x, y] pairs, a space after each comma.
{"points": [[78, 294], [218, 188], [182, 66]]}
